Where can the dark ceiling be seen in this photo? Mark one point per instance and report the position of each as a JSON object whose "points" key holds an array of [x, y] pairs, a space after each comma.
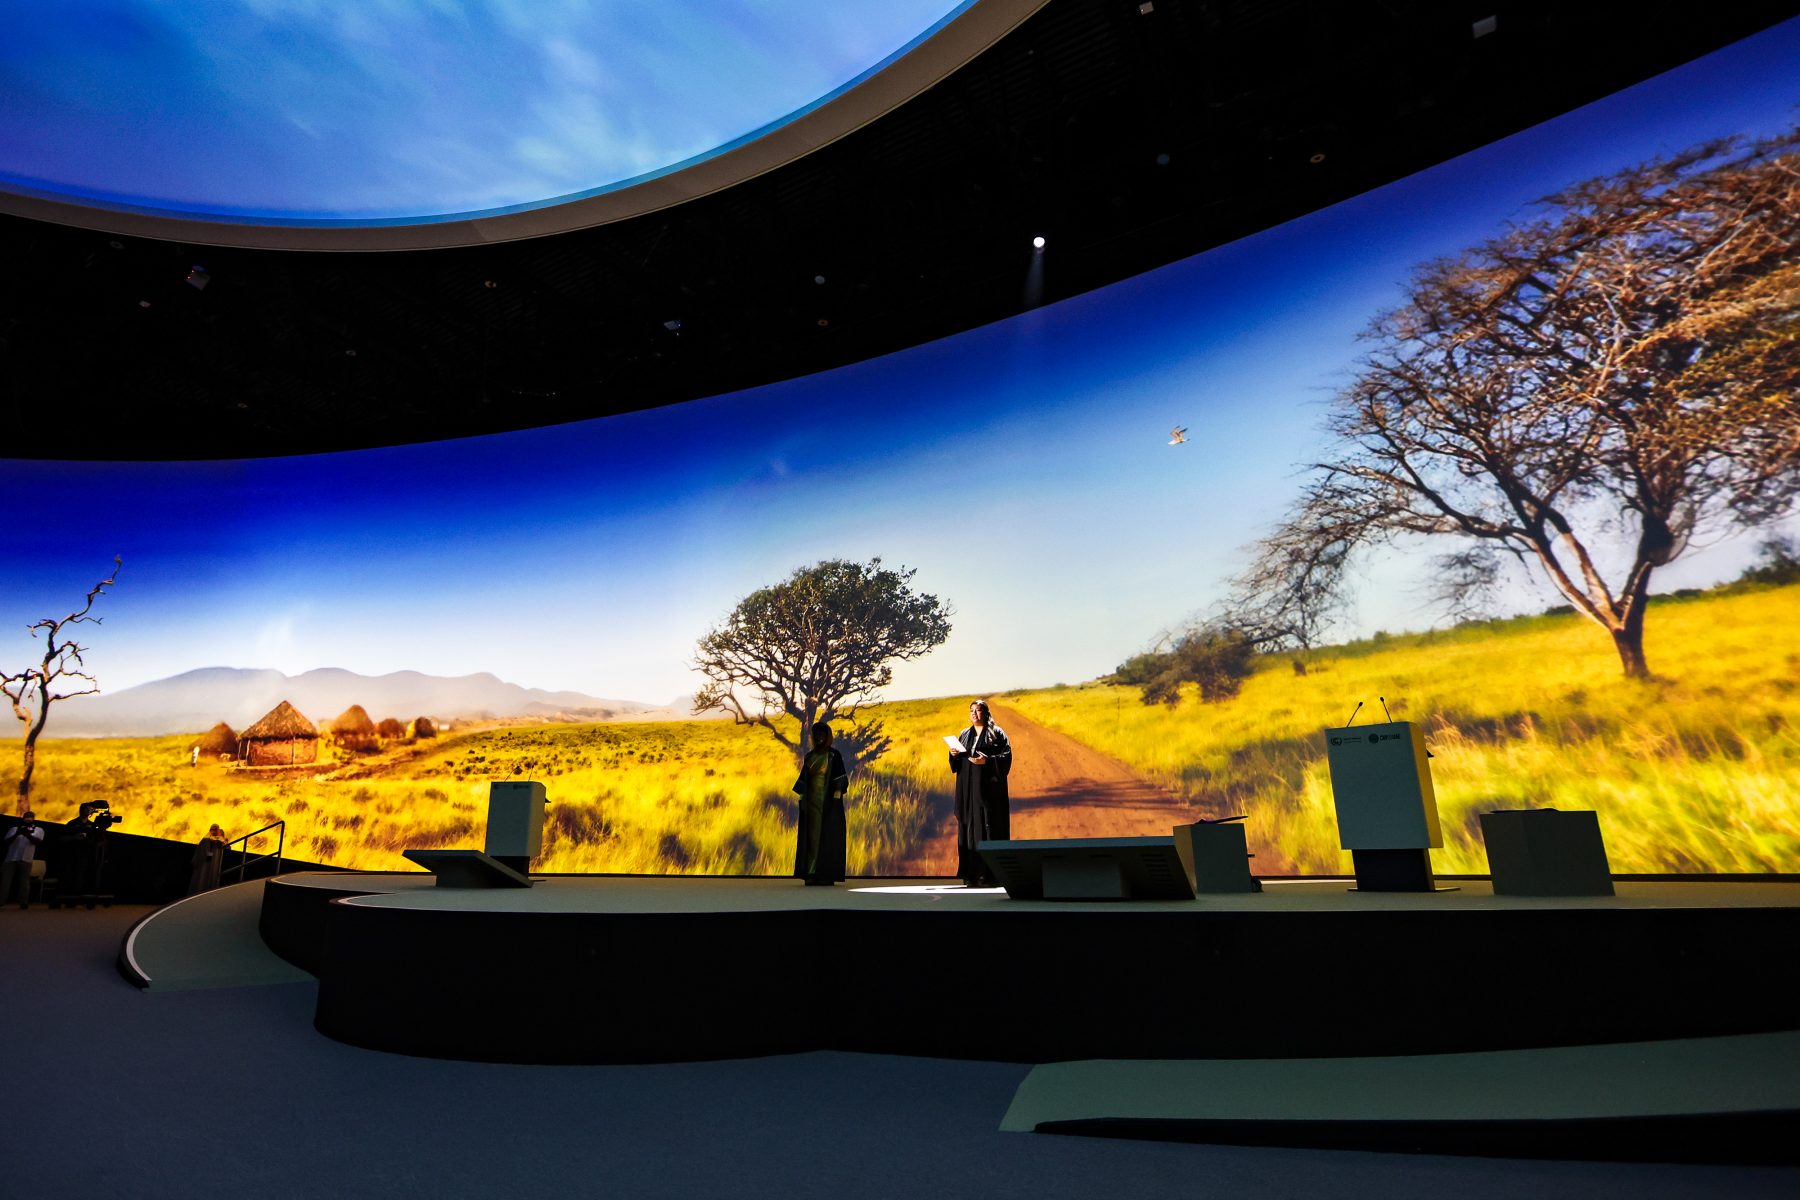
{"points": [[1129, 134]]}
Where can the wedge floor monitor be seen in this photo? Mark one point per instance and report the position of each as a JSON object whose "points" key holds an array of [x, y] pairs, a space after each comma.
{"points": [[1127, 868]]}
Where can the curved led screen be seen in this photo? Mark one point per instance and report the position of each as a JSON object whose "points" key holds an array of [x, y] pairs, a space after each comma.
{"points": [[1505, 448], [281, 114]]}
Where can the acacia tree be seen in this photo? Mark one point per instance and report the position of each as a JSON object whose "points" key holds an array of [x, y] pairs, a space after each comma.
{"points": [[821, 642], [56, 676], [1290, 595], [1214, 656], [1580, 395]]}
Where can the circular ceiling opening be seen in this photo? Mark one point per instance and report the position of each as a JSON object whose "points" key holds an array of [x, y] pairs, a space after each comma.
{"points": [[424, 122]]}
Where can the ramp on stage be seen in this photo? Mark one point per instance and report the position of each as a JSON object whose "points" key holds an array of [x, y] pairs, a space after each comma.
{"points": [[204, 941], [644, 969], [1723, 1099]]}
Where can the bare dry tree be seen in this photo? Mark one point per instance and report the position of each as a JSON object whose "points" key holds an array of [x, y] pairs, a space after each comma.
{"points": [[1291, 593], [816, 645], [56, 676], [1582, 395]]}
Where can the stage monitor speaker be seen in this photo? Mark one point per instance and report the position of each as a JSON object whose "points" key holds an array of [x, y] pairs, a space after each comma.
{"points": [[1546, 852], [1130, 868], [1216, 857], [467, 869]]}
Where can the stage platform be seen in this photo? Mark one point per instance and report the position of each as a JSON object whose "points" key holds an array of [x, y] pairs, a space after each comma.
{"points": [[583, 969]]}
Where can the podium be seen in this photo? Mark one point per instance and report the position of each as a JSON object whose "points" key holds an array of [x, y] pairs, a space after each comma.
{"points": [[515, 827], [1386, 809]]}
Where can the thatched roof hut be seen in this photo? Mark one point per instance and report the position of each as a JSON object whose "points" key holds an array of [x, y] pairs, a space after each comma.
{"points": [[423, 727], [390, 728], [353, 720], [284, 721], [282, 738], [353, 729], [219, 741]]}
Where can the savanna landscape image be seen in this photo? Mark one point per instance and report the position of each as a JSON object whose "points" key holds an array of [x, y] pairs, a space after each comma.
{"points": [[1513, 453], [1696, 770]]}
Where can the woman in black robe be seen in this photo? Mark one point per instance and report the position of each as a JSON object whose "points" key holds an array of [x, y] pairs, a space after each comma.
{"points": [[982, 812], [819, 849]]}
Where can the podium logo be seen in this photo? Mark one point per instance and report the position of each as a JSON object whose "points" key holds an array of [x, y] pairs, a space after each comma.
{"points": [[1373, 739]]}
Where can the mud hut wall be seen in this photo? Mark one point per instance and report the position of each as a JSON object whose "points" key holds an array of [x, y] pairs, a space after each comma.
{"points": [[280, 752]]}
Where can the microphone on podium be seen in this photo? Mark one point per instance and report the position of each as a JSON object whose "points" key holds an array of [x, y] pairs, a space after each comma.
{"points": [[1353, 713]]}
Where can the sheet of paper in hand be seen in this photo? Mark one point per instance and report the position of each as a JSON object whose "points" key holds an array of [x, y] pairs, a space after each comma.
{"points": [[954, 742]]}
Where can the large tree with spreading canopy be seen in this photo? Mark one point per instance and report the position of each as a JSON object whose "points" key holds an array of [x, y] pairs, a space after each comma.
{"points": [[818, 644], [1581, 395]]}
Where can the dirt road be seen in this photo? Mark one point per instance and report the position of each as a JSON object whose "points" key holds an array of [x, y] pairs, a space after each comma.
{"points": [[1063, 789]]}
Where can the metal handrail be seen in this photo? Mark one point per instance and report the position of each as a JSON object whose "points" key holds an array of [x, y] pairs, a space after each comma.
{"points": [[244, 859]]}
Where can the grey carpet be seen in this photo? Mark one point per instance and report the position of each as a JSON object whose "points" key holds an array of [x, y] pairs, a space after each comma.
{"points": [[123, 1093]]}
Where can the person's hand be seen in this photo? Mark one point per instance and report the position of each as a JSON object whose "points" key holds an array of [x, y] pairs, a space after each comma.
{"points": [[978, 759]]}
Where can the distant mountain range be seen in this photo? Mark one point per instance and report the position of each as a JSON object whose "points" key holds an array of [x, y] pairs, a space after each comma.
{"points": [[195, 701]]}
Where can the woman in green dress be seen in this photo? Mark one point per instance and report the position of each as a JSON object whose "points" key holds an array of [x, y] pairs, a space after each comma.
{"points": [[819, 839]]}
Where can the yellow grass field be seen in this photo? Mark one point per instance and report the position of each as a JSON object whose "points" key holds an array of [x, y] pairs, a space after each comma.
{"points": [[1695, 770], [703, 797]]}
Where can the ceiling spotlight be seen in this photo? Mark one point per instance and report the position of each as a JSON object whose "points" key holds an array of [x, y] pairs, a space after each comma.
{"points": [[1037, 243], [349, 354], [1317, 158], [198, 278], [1484, 26], [1147, 7], [673, 326], [824, 321], [488, 283], [117, 245], [1162, 160], [143, 304]]}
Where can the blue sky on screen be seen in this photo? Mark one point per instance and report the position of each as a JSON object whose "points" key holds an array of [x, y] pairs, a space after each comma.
{"points": [[400, 110], [1021, 468]]}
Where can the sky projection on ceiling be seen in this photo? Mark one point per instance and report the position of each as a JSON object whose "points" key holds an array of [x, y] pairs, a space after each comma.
{"points": [[293, 112], [1021, 467]]}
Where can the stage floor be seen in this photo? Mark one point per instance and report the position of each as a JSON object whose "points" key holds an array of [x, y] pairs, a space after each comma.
{"points": [[717, 894]]}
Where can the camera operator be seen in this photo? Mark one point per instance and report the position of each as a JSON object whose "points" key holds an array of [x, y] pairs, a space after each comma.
{"points": [[21, 842], [85, 845]]}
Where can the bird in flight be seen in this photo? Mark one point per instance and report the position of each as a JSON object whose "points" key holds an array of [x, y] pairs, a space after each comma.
{"points": [[1178, 435]]}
